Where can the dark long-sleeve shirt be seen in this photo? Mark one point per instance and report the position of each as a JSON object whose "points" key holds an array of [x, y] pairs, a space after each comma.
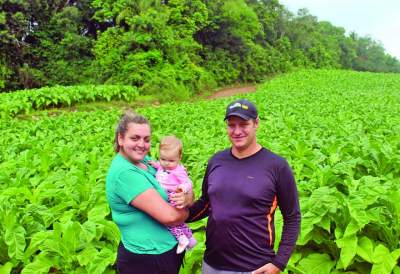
{"points": [[240, 197]]}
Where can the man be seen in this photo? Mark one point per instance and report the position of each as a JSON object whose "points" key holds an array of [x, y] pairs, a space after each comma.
{"points": [[241, 189]]}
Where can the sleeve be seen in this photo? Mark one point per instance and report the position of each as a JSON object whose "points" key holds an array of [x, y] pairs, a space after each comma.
{"points": [[183, 178], [201, 207], [130, 184], [288, 202]]}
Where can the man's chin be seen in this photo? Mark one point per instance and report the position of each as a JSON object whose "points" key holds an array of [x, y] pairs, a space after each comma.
{"points": [[238, 146]]}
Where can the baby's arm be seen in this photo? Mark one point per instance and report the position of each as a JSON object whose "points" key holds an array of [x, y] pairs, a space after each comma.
{"points": [[154, 164]]}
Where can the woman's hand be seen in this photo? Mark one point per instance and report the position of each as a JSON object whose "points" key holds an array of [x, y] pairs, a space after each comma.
{"points": [[182, 198]]}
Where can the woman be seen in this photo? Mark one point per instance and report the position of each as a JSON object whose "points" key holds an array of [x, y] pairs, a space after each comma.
{"points": [[139, 205]]}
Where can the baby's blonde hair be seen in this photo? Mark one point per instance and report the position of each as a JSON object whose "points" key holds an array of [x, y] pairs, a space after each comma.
{"points": [[171, 144]]}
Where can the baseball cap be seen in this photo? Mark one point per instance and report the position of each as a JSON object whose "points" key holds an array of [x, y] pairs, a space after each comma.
{"points": [[241, 108]]}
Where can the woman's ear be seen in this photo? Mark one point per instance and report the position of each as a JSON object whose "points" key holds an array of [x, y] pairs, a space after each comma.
{"points": [[120, 139]]}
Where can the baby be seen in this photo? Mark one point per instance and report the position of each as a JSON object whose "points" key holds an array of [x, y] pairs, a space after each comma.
{"points": [[171, 174]]}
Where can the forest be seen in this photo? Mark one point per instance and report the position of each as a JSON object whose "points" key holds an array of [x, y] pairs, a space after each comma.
{"points": [[171, 48]]}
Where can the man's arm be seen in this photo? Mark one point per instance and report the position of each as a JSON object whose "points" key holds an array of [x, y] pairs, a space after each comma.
{"points": [[288, 202], [200, 207]]}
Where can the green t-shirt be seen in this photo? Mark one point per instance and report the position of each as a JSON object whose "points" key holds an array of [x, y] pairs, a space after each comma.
{"points": [[140, 233]]}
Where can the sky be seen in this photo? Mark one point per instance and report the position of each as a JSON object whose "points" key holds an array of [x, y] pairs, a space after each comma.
{"points": [[378, 19]]}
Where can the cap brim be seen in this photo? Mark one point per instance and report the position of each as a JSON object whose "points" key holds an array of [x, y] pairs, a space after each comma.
{"points": [[241, 115]]}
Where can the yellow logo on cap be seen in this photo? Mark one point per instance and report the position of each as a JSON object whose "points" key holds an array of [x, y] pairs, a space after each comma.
{"points": [[245, 107]]}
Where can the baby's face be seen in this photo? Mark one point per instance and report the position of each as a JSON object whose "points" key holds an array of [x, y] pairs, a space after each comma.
{"points": [[169, 160]]}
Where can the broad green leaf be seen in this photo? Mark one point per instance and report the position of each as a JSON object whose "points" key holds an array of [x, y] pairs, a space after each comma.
{"points": [[365, 249], [348, 248], [317, 264], [99, 212], [111, 232], [35, 242], [6, 268], [357, 211], [381, 253], [396, 254], [325, 223], [296, 256], [87, 255], [41, 264], [15, 239], [71, 236], [338, 233], [352, 228], [103, 259], [383, 260], [88, 232], [381, 268]]}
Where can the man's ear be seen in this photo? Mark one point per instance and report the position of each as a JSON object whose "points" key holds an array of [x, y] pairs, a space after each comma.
{"points": [[257, 122]]}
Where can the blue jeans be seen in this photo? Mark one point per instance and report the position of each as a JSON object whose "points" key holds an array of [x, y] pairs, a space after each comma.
{"points": [[207, 269]]}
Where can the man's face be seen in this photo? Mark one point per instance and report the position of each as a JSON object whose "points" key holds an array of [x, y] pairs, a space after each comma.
{"points": [[242, 133]]}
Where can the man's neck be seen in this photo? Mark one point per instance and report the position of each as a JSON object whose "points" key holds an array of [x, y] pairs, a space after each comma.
{"points": [[253, 149]]}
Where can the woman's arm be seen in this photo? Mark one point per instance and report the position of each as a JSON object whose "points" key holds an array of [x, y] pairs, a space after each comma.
{"points": [[153, 204]]}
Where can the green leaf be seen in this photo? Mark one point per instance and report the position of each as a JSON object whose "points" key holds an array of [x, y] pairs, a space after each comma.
{"points": [[88, 232], [348, 248], [325, 223], [365, 249], [104, 258], [352, 228], [111, 232], [296, 256], [6, 268], [71, 237], [99, 212], [41, 264], [396, 254], [35, 242], [15, 239], [317, 264], [383, 260], [338, 232], [87, 255], [381, 253]]}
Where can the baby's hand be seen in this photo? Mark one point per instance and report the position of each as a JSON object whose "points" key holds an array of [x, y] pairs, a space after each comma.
{"points": [[182, 197], [153, 164]]}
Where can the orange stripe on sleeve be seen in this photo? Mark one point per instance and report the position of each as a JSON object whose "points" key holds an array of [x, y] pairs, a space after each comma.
{"points": [[201, 212], [269, 219]]}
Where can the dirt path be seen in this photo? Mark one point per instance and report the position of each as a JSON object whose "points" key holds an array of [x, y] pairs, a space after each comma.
{"points": [[232, 91]]}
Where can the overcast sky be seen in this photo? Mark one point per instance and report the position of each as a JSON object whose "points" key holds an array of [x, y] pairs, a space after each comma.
{"points": [[378, 19]]}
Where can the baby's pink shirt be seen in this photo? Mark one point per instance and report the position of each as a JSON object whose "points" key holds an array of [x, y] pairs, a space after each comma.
{"points": [[172, 178]]}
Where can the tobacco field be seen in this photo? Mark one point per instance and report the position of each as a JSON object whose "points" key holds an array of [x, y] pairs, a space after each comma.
{"points": [[339, 130]]}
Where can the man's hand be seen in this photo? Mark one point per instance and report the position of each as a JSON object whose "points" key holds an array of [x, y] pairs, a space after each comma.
{"points": [[267, 269]]}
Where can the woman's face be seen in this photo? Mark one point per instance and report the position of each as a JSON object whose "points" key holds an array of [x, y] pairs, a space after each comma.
{"points": [[135, 143]]}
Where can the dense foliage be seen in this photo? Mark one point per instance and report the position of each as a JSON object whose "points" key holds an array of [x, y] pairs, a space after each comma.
{"points": [[24, 101], [338, 130], [170, 48]]}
